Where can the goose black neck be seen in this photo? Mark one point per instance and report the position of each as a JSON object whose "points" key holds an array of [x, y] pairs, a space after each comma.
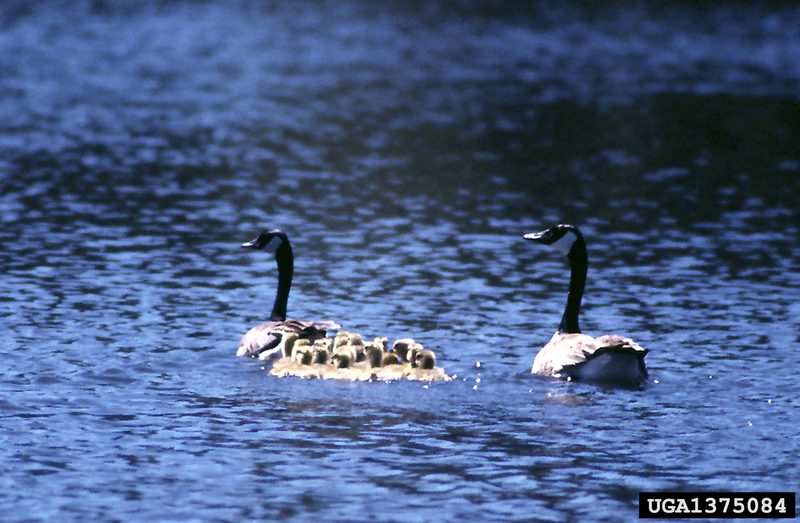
{"points": [[579, 264], [285, 260]]}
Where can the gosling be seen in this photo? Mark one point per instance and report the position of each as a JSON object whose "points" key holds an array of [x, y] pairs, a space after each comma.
{"points": [[341, 339], [413, 351], [344, 357], [303, 354], [375, 355], [320, 355], [390, 358], [400, 347], [425, 359], [287, 344]]}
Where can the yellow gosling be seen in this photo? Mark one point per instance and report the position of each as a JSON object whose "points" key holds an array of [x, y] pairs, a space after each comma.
{"points": [[341, 339], [400, 347], [390, 358], [303, 355], [411, 356], [343, 357], [425, 359], [361, 352], [374, 356], [320, 355], [382, 342], [287, 344]]}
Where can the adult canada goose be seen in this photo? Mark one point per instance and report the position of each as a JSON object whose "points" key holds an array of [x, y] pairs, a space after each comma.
{"points": [[263, 340], [570, 354]]}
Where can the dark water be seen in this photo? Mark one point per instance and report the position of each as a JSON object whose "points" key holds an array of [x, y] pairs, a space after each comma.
{"points": [[405, 150]]}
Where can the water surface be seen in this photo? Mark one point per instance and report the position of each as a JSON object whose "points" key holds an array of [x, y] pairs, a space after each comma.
{"points": [[405, 152]]}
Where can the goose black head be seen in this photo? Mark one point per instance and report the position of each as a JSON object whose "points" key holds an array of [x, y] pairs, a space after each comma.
{"points": [[269, 241], [568, 240], [561, 237]]}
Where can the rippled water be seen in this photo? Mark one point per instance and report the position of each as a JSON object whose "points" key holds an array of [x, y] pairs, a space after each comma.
{"points": [[405, 151]]}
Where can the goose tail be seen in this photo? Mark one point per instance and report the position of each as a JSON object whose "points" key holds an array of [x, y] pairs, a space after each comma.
{"points": [[617, 364]]}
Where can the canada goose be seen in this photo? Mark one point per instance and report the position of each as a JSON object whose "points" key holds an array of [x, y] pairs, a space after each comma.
{"points": [[344, 357], [303, 355], [422, 366], [374, 355], [342, 338], [266, 337], [425, 359], [413, 351], [401, 346], [285, 347], [391, 368], [320, 355], [570, 354], [322, 350], [390, 358]]}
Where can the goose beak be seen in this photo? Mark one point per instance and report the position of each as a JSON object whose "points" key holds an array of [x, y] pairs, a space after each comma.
{"points": [[535, 236], [249, 244]]}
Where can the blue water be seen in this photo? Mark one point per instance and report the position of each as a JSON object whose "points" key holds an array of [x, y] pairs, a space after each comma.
{"points": [[405, 150]]}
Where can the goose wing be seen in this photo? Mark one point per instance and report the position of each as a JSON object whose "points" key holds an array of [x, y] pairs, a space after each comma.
{"points": [[612, 359], [267, 336], [615, 342], [563, 351]]}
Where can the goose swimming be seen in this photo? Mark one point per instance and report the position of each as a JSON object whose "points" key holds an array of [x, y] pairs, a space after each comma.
{"points": [[570, 354], [264, 340], [349, 358]]}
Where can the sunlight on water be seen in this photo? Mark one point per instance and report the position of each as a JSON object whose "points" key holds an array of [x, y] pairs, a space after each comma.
{"points": [[406, 152]]}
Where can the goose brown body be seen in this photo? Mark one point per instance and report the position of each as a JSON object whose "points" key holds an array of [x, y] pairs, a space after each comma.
{"points": [[571, 354], [264, 340]]}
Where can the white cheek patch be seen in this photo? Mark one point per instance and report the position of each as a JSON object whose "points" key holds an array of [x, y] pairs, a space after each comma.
{"points": [[565, 243], [273, 245]]}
